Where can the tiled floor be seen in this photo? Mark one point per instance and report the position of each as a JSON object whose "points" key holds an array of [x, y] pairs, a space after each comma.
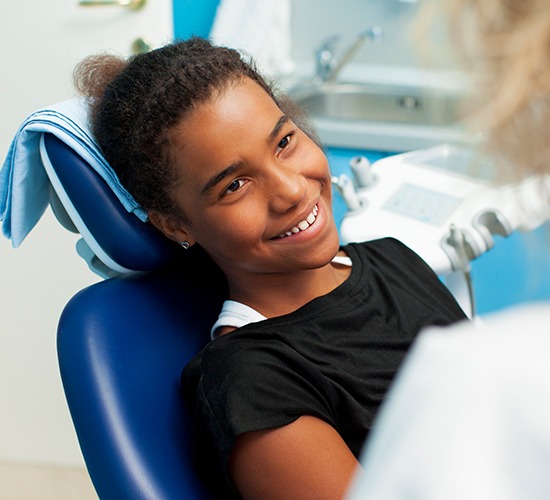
{"points": [[28, 482]]}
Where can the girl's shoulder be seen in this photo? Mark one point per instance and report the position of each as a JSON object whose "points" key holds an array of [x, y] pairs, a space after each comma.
{"points": [[384, 251]]}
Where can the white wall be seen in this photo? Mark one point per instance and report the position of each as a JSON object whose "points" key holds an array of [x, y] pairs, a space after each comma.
{"points": [[37, 281]]}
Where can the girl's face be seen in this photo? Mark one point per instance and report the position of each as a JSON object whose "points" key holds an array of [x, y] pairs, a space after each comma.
{"points": [[255, 188]]}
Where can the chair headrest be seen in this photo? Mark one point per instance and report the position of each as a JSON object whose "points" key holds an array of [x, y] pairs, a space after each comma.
{"points": [[114, 241]]}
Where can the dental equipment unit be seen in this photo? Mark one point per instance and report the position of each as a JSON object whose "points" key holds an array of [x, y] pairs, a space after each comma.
{"points": [[441, 203]]}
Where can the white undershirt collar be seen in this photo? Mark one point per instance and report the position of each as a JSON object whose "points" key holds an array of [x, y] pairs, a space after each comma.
{"points": [[237, 314]]}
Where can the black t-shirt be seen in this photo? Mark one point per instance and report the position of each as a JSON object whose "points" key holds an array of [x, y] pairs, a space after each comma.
{"points": [[333, 358]]}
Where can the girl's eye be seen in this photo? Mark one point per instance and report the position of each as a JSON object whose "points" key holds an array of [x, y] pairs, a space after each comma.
{"points": [[285, 141], [234, 186]]}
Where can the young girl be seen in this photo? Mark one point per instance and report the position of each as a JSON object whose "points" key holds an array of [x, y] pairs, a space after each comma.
{"points": [[311, 334]]}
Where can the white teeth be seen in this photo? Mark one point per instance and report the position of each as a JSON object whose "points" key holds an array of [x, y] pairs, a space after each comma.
{"points": [[302, 225]]}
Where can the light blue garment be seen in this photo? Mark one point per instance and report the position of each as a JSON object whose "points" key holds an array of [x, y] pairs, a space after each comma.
{"points": [[24, 185]]}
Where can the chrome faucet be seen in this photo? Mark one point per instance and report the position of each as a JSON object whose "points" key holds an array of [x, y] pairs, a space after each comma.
{"points": [[328, 67]]}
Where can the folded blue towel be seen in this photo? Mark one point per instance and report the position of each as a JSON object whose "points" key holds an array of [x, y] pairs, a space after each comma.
{"points": [[24, 185]]}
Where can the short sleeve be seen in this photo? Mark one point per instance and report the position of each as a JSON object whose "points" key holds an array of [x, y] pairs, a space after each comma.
{"points": [[258, 385]]}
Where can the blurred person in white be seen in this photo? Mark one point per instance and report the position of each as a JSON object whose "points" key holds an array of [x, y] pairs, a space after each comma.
{"points": [[469, 414]]}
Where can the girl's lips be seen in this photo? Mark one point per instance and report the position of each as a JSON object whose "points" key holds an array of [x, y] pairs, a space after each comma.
{"points": [[302, 225]]}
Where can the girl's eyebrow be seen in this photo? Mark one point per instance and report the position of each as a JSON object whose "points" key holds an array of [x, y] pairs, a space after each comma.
{"points": [[219, 177], [231, 168], [278, 126]]}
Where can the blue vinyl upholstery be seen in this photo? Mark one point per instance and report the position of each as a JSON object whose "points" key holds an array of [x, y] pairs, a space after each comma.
{"points": [[122, 344], [129, 242]]}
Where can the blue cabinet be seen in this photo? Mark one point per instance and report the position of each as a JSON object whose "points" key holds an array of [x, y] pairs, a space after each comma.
{"points": [[193, 17]]}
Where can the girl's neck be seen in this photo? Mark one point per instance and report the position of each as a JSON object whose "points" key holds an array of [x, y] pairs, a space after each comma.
{"points": [[278, 294]]}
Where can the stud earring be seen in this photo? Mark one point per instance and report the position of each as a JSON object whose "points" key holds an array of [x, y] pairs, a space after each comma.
{"points": [[185, 245]]}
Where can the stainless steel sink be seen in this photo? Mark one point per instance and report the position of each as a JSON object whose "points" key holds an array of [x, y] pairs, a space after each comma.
{"points": [[382, 117], [380, 103]]}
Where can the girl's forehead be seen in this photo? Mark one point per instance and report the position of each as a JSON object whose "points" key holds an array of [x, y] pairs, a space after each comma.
{"points": [[232, 126], [243, 96], [242, 105]]}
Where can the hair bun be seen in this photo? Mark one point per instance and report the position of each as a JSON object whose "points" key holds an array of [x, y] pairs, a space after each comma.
{"points": [[92, 75]]}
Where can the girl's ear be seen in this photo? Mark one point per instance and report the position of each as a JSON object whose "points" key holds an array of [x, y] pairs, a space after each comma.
{"points": [[172, 227]]}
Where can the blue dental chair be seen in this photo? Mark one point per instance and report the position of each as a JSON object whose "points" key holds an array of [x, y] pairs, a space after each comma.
{"points": [[123, 342]]}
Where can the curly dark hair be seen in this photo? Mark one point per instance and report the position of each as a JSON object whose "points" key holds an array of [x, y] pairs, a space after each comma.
{"points": [[136, 102]]}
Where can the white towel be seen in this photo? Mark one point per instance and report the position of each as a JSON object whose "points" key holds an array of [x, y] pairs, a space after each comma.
{"points": [[24, 185], [261, 29]]}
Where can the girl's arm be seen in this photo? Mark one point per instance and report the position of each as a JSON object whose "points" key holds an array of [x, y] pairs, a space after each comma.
{"points": [[304, 459]]}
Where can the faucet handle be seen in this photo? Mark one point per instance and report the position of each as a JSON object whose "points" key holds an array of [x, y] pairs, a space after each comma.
{"points": [[324, 56], [374, 33], [327, 66]]}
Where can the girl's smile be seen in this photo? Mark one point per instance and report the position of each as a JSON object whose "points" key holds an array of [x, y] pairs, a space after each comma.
{"points": [[303, 224]]}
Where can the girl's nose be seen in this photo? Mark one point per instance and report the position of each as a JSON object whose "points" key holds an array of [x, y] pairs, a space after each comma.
{"points": [[286, 189]]}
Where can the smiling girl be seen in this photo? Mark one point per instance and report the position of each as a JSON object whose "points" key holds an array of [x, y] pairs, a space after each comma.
{"points": [[311, 334]]}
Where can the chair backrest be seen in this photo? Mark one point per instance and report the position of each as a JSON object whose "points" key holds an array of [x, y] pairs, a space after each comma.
{"points": [[116, 242], [122, 344]]}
